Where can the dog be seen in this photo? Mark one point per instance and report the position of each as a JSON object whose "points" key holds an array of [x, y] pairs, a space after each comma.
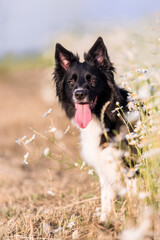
{"points": [[89, 95]]}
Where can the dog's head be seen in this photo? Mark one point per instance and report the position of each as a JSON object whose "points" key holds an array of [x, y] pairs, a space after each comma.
{"points": [[83, 87]]}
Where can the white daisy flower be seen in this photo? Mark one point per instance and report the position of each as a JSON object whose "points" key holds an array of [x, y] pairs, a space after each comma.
{"points": [[67, 129], [131, 136], [51, 193], [133, 142], [129, 97], [131, 105], [138, 126], [46, 152], [75, 234], [26, 158], [47, 113], [20, 140], [31, 139], [71, 224]]}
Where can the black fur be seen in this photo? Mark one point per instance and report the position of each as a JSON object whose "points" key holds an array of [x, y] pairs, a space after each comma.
{"points": [[96, 76]]}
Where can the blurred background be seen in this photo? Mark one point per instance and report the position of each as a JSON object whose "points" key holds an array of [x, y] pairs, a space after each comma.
{"points": [[28, 33], [32, 27]]}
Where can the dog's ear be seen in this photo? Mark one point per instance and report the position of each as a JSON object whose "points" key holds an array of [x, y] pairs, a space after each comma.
{"points": [[64, 58], [98, 54]]}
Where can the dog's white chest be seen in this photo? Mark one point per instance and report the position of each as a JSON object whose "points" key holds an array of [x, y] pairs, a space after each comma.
{"points": [[105, 162], [90, 140]]}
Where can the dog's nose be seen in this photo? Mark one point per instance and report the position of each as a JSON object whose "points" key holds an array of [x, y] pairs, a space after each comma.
{"points": [[80, 94]]}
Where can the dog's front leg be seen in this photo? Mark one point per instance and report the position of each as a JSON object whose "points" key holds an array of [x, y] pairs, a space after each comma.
{"points": [[107, 199]]}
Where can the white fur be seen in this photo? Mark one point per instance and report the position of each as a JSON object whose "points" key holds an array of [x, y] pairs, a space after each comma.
{"points": [[105, 162]]}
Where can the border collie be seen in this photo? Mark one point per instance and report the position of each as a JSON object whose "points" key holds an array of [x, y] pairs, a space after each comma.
{"points": [[84, 89]]}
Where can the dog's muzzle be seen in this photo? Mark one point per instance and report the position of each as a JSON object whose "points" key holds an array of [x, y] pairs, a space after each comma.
{"points": [[80, 94]]}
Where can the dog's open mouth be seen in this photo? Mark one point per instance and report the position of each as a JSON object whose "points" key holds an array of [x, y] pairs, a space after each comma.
{"points": [[83, 114]]}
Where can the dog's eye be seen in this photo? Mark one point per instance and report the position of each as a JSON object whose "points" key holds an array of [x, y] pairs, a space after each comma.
{"points": [[71, 82], [93, 82]]}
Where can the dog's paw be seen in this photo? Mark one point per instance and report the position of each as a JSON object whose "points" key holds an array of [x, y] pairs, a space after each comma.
{"points": [[103, 218], [107, 223]]}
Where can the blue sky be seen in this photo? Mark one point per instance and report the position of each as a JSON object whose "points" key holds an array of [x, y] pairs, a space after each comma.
{"points": [[29, 25]]}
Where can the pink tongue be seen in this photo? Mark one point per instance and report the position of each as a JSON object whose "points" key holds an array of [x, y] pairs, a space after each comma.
{"points": [[83, 115]]}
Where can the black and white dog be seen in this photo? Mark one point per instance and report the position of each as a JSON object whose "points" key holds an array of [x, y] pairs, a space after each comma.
{"points": [[83, 89]]}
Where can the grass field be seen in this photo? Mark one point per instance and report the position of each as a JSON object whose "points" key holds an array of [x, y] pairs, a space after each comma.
{"points": [[51, 194]]}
